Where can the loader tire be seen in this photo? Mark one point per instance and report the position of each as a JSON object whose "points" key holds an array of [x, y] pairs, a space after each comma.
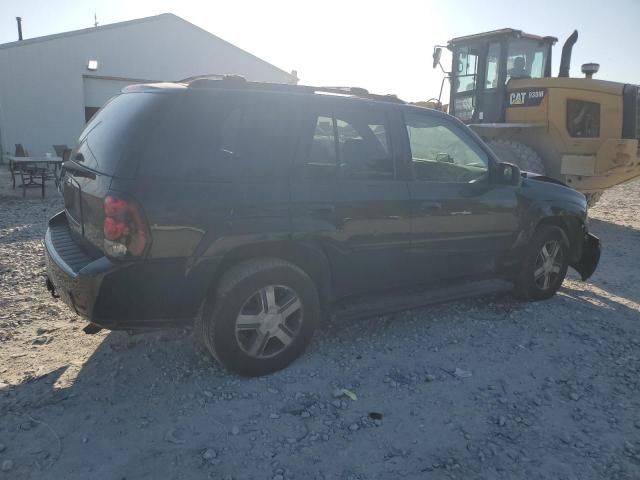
{"points": [[519, 154]]}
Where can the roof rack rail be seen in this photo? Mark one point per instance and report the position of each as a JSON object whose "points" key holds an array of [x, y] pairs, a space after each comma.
{"points": [[359, 92], [214, 77], [217, 80]]}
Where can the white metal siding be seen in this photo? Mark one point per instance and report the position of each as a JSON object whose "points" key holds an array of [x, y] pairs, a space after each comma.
{"points": [[98, 90], [43, 91]]}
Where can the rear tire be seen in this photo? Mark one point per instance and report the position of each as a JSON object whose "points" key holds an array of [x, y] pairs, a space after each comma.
{"points": [[543, 268], [519, 154], [260, 317]]}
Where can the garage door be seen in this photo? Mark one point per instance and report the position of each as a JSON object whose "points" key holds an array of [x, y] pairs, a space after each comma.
{"points": [[98, 90]]}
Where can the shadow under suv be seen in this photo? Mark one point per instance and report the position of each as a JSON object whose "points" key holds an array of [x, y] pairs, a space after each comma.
{"points": [[250, 210]]}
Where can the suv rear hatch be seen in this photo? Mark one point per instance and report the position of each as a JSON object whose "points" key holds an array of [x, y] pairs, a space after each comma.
{"points": [[108, 149]]}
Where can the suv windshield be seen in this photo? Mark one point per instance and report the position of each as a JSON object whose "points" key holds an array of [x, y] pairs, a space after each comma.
{"points": [[526, 59]]}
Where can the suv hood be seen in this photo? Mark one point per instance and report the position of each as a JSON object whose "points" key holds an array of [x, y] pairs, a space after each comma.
{"points": [[543, 188], [542, 178]]}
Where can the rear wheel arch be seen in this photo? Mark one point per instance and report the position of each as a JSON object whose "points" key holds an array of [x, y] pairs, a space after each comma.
{"points": [[310, 258], [242, 295]]}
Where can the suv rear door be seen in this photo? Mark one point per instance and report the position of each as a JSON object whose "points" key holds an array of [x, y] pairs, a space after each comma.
{"points": [[346, 193]]}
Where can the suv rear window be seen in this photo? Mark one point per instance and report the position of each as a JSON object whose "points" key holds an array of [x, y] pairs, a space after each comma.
{"points": [[222, 135], [119, 127]]}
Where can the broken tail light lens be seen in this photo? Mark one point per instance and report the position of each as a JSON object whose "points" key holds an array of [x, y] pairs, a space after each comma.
{"points": [[125, 229]]}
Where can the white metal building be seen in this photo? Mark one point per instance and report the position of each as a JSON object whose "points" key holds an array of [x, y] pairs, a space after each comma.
{"points": [[50, 85]]}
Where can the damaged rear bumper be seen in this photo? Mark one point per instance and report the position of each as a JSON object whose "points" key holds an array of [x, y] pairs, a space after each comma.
{"points": [[590, 256]]}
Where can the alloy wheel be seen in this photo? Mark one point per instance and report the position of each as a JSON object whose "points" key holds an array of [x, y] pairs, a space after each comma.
{"points": [[548, 264], [269, 321]]}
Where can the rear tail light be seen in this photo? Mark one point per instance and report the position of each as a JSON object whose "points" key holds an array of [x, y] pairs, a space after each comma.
{"points": [[126, 232]]}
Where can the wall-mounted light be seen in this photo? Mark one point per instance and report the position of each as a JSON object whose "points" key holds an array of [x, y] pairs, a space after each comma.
{"points": [[92, 65]]}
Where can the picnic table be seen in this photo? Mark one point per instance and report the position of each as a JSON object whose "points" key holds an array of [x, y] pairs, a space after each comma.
{"points": [[35, 167]]}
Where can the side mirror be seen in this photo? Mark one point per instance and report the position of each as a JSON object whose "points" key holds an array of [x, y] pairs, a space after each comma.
{"points": [[437, 53], [508, 174]]}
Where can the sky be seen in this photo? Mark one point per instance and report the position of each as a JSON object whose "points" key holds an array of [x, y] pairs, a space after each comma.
{"points": [[385, 47]]}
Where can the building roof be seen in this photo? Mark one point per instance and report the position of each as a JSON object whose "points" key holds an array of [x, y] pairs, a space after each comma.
{"points": [[84, 31]]}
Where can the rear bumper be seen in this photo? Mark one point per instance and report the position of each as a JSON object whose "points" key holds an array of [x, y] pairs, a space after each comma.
{"points": [[116, 295], [72, 274], [590, 256]]}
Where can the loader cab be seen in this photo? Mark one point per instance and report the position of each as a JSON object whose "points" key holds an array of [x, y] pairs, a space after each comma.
{"points": [[482, 65]]}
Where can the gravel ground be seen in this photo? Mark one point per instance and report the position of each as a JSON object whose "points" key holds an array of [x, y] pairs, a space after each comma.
{"points": [[487, 388]]}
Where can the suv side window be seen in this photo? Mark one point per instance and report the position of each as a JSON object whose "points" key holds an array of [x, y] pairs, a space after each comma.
{"points": [[355, 139], [195, 138], [266, 138], [222, 136], [439, 153], [323, 145], [363, 144]]}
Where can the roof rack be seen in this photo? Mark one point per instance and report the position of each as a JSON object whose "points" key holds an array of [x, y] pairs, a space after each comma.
{"points": [[359, 92], [217, 80]]}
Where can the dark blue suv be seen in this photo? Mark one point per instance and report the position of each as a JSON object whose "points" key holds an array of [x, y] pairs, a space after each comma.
{"points": [[250, 210]]}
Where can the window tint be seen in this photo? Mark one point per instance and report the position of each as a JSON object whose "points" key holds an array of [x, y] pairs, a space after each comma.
{"points": [[323, 145], [120, 129], [316, 158], [196, 139], [265, 143], [223, 135], [363, 149], [440, 154]]}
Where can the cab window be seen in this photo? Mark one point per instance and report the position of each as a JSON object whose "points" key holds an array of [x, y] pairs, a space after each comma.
{"points": [[493, 66], [467, 66], [526, 59]]}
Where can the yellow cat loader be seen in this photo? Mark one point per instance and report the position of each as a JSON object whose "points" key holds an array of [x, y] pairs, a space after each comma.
{"points": [[582, 131]]}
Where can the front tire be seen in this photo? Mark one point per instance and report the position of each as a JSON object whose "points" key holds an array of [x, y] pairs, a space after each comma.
{"points": [[545, 264], [260, 317]]}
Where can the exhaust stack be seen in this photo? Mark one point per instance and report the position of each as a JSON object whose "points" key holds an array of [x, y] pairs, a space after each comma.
{"points": [[19, 21], [565, 60]]}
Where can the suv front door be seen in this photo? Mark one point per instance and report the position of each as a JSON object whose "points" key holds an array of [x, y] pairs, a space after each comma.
{"points": [[346, 193], [462, 223]]}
